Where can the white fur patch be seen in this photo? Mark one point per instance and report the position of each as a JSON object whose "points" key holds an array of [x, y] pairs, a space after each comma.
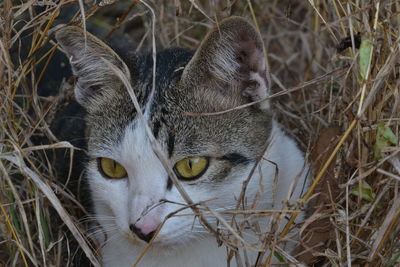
{"points": [[182, 239]]}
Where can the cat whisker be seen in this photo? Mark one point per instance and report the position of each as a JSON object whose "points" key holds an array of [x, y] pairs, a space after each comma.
{"points": [[109, 239], [96, 219], [101, 231]]}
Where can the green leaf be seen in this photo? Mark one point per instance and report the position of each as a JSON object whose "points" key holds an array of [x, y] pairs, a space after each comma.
{"points": [[280, 258], [389, 136], [45, 227], [396, 258], [384, 138], [366, 191], [14, 213], [365, 56]]}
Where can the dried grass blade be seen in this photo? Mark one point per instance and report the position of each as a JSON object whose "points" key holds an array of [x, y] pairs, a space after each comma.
{"points": [[391, 218], [46, 190], [20, 207], [14, 234]]}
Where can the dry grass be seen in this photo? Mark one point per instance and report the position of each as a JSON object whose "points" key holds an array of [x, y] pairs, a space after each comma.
{"points": [[341, 105]]}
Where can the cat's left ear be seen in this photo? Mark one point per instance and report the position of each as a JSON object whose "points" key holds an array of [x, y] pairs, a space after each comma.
{"points": [[88, 56], [232, 58]]}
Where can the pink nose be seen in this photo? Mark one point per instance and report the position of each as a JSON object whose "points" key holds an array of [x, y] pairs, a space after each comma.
{"points": [[145, 230]]}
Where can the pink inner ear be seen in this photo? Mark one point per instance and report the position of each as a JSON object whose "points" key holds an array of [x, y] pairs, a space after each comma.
{"points": [[251, 55]]}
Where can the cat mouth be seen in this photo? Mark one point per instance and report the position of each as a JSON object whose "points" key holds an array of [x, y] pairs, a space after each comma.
{"points": [[136, 240]]}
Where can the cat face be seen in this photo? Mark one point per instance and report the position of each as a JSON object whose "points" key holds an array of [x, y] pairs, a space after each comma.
{"points": [[211, 155]]}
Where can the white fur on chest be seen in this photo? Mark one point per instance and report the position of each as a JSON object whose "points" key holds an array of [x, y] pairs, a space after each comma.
{"points": [[183, 241]]}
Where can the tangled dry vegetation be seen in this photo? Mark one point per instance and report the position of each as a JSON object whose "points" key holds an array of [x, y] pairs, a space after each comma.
{"points": [[336, 72]]}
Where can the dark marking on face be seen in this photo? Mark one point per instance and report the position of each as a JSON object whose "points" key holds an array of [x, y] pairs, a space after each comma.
{"points": [[164, 111], [170, 144], [156, 128], [169, 183], [236, 158]]}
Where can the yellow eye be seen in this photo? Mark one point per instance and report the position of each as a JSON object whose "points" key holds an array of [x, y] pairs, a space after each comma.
{"points": [[112, 169], [191, 167]]}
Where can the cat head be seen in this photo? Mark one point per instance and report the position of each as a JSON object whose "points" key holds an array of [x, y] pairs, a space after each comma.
{"points": [[211, 155]]}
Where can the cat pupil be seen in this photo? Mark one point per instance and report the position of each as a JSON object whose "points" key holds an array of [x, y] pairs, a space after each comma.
{"points": [[190, 163]]}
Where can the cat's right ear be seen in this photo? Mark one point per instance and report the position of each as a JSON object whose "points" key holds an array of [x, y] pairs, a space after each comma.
{"points": [[230, 63], [88, 55]]}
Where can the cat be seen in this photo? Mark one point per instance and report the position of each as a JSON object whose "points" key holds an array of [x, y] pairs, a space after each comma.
{"points": [[211, 155]]}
